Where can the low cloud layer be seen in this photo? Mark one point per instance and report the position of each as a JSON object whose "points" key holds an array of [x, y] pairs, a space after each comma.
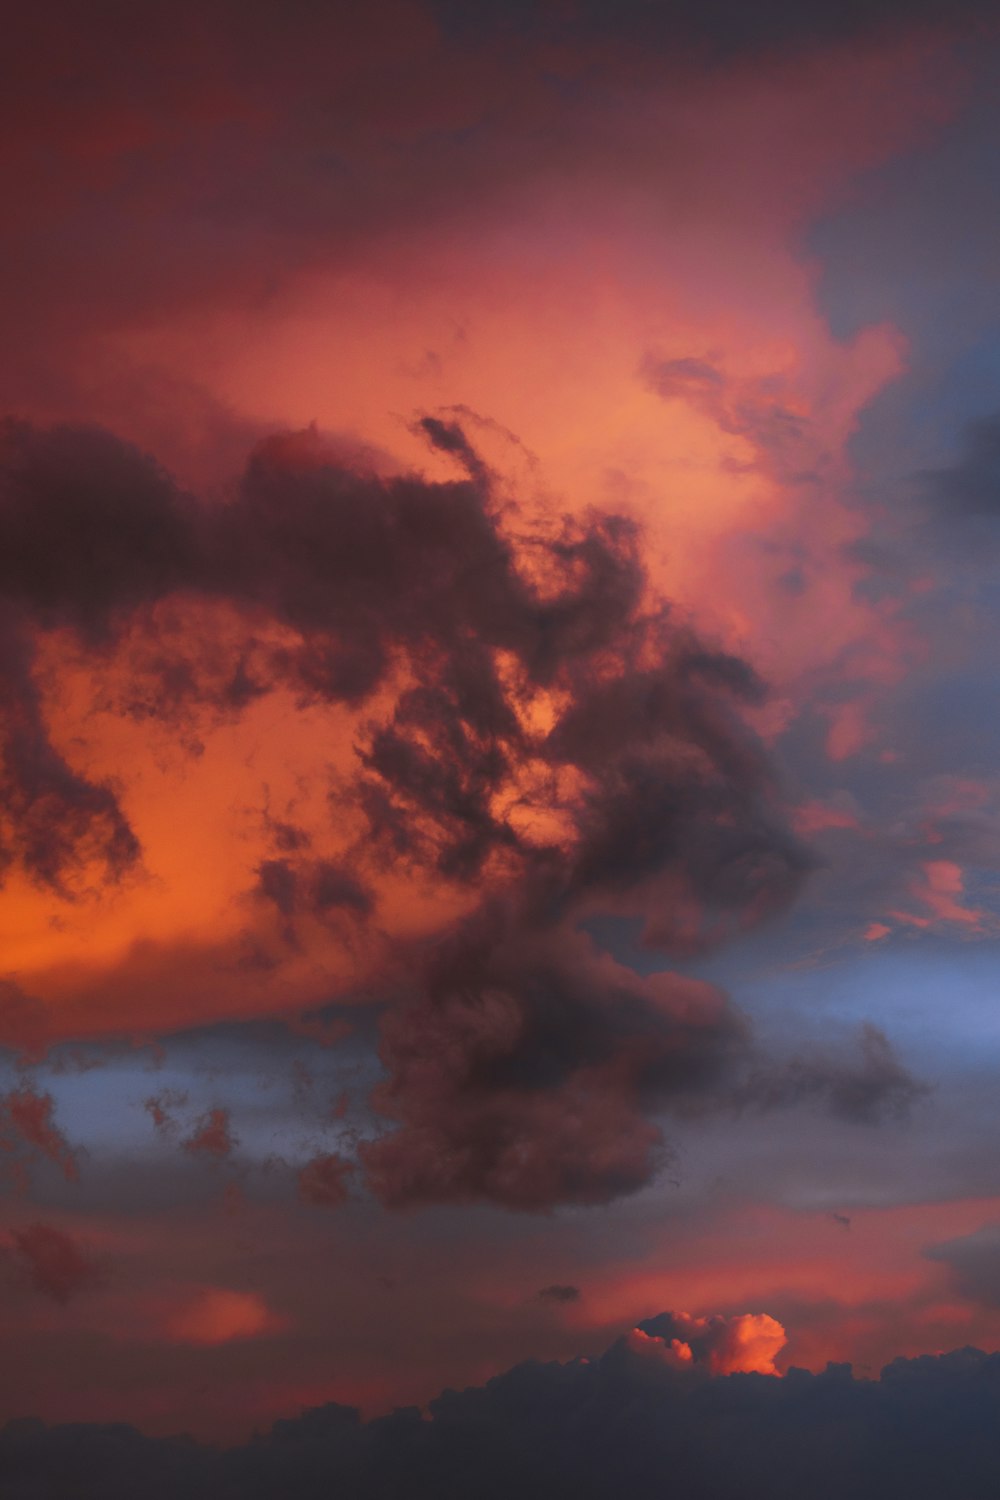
{"points": [[628, 1422]]}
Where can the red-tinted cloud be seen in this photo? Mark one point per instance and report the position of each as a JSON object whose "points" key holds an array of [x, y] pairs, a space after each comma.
{"points": [[56, 1263], [218, 1315], [211, 1135], [721, 1345], [324, 1181], [27, 1127]]}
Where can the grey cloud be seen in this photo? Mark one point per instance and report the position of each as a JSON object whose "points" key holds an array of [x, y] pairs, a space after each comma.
{"points": [[866, 1089], [971, 486]]}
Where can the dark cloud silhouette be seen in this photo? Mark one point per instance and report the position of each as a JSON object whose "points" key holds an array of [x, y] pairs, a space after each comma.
{"points": [[529, 1068], [626, 1423], [319, 888], [91, 527]]}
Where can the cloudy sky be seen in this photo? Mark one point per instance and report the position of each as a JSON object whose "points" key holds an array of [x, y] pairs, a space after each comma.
{"points": [[499, 791]]}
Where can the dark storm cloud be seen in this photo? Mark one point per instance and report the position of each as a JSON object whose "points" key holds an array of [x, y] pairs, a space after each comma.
{"points": [[523, 1066], [527, 1070], [359, 568], [624, 1424]]}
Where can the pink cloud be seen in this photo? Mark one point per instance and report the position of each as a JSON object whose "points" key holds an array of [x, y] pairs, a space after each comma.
{"points": [[212, 1135], [939, 888]]}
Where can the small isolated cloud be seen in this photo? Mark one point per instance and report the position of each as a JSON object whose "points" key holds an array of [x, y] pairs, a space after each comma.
{"points": [[559, 1293], [867, 1088], [219, 1316], [939, 888], [160, 1108], [212, 1135], [57, 1265]]}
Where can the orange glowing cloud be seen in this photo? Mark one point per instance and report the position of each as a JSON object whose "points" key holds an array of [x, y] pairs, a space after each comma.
{"points": [[217, 1315], [744, 1344], [866, 1290], [752, 1341], [675, 1354]]}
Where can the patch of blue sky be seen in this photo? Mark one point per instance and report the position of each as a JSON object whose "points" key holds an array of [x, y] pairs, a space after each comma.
{"points": [[276, 1110], [937, 1000]]}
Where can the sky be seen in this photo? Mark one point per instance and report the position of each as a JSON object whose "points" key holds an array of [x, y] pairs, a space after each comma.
{"points": [[499, 808]]}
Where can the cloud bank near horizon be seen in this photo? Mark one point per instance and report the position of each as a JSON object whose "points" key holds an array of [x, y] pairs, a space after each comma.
{"points": [[640, 1417]]}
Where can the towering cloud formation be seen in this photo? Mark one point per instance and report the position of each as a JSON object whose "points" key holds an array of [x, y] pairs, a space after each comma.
{"points": [[745, 1344]]}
